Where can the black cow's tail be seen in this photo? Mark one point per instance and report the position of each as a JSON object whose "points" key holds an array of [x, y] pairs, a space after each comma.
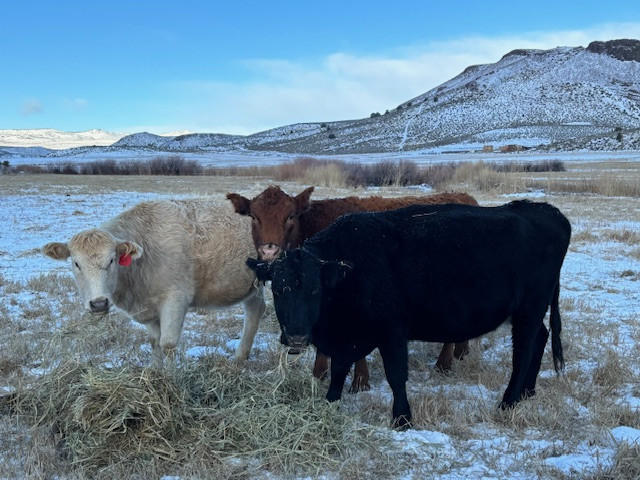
{"points": [[556, 327]]}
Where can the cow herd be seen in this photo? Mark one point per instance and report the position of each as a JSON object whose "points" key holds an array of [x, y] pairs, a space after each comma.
{"points": [[347, 275]]}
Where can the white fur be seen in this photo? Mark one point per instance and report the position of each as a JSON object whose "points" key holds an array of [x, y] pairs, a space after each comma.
{"points": [[185, 253]]}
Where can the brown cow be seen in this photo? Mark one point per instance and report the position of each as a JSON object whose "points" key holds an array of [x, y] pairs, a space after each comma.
{"points": [[282, 222]]}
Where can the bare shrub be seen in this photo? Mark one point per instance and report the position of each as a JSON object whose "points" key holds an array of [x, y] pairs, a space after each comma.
{"points": [[440, 175], [64, 168], [102, 167], [538, 166], [33, 169], [174, 165]]}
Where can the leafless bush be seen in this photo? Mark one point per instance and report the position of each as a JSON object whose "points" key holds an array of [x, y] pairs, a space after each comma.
{"points": [[34, 169], [539, 166], [64, 168], [174, 165], [440, 174], [102, 167]]}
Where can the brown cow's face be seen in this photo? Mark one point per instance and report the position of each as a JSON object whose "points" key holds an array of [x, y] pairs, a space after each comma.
{"points": [[95, 259], [275, 222]]}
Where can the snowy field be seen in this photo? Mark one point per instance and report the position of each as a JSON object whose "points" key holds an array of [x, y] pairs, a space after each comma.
{"points": [[600, 307]]}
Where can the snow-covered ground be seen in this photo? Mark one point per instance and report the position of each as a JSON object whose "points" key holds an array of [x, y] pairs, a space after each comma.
{"points": [[32, 218]]}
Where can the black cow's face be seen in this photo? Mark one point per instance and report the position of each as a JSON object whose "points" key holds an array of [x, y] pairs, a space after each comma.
{"points": [[300, 283]]}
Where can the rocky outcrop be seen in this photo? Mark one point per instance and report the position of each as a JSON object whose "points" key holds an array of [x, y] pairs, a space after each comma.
{"points": [[626, 50]]}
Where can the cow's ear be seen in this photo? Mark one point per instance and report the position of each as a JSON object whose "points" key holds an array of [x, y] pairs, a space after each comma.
{"points": [[131, 249], [262, 269], [242, 205], [334, 272], [56, 250], [302, 199]]}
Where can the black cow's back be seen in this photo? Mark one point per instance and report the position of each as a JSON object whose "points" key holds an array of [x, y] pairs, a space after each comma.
{"points": [[429, 264]]}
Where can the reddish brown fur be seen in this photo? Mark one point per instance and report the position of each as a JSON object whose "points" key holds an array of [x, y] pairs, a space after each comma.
{"points": [[282, 222]]}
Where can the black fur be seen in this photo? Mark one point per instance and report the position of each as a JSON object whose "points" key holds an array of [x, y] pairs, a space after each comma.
{"points": [[438, 273]]}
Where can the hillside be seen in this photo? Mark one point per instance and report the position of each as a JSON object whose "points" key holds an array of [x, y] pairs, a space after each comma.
{"points": [[530, 97], [566, 98], [55, 139]]}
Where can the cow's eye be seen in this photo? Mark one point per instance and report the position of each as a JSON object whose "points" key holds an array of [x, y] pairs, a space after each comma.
{"points": [[77, 266], [111, 262], [290, 218]]}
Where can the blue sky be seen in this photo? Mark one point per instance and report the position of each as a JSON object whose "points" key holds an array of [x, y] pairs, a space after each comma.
{"points": [[246, 66]]}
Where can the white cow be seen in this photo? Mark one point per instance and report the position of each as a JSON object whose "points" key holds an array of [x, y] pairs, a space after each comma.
{"points": [[159, 258]]}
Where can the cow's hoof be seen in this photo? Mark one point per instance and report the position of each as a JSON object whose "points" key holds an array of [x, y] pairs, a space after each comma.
{"points": [[359, 385], [443, 369], [401, 423], [461, 350]]}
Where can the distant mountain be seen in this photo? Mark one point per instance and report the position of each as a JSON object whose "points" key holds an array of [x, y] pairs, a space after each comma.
{"points": [[56, 139], [566, 98], [187, 142]]}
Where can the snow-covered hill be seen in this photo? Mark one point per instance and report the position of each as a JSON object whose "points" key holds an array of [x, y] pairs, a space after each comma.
{"points": [[566, 98], [186, 142], [56, 139], [529, 97]]}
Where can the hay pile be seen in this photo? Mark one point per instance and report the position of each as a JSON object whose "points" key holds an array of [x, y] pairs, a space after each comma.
{"points": [[207, 414]]}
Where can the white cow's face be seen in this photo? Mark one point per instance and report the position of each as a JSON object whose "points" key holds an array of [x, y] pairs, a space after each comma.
{"points": [[96, 257]]}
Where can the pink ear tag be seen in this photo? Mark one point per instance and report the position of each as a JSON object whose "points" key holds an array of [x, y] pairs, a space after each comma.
{"points": [[125, 259]]}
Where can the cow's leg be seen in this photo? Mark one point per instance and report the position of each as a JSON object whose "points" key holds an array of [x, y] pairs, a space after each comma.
{"points": [[172, 315], [447, 354], [153, 334], [254, 307], [339, 371], [321, 366], [536, 359], [461, 350], [395, 359], [445, 359], [524, 332], [360, 377]]}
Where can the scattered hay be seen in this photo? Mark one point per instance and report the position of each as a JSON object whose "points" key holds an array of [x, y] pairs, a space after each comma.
{"points": [[208, 412]]}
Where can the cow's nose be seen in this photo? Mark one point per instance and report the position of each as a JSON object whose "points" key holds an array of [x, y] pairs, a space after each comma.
{"points": [[269, 252], [297, 341], [99, 306]]}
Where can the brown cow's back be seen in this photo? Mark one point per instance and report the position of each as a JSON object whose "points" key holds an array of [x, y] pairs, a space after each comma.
{"points": [[322, 213]]}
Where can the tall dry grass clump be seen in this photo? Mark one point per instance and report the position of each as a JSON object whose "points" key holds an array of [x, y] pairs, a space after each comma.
{"points": [[479, 176], [325, 175], [206, 414]]}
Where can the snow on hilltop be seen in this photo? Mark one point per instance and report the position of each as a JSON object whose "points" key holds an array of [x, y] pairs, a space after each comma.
{"points": [[56, 139], [184, 142], [529, 97], [567, 98]]}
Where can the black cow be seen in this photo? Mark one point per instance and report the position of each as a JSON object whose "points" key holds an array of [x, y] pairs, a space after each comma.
{"points": [[438, 273]]}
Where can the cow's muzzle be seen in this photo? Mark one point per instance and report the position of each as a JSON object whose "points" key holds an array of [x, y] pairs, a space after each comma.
{"points": [[297, 341], [99, 306], [269, 252]]}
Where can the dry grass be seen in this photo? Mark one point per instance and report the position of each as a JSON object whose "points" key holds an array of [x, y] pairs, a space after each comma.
{"points": [[208, 412]]}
